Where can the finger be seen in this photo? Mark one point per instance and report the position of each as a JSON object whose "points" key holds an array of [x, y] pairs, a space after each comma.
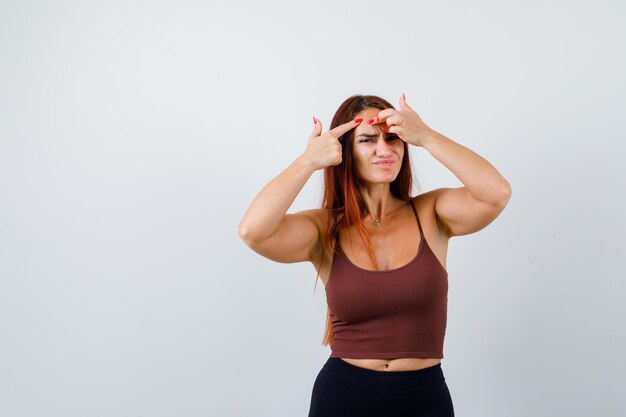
{"points": [[382, 115], [394, 120], [317, 129], [403, 103], [343, 128], [393, 129]]}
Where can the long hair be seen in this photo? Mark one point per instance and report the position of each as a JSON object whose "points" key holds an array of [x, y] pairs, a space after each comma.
{"points": [[341, 198]]}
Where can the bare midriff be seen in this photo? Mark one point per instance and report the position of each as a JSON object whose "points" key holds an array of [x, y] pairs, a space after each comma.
{"points": [[392, 365]]}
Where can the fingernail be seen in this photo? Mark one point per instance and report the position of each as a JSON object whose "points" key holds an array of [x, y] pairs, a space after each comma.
{"points": [[314, 120], [403, 98], [359, 120], [370, 121]]}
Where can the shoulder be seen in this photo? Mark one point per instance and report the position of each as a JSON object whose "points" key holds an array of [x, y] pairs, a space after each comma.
{"points": [[318, 215], [424, 203]]}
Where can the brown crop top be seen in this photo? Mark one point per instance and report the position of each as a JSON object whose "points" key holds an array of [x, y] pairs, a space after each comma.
{"points": [[398, 313]]}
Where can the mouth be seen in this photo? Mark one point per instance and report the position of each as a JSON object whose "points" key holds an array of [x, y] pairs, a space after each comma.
{"points": [[384, 164]]}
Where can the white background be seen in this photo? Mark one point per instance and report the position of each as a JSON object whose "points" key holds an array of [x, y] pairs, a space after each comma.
{"points": [[134, 135]]}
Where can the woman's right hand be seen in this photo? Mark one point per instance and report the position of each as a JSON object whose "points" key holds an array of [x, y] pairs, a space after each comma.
{"points": [[325, 150]]}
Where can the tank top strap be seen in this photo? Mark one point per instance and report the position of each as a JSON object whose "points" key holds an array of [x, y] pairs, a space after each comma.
{"points": [[419, 224]]}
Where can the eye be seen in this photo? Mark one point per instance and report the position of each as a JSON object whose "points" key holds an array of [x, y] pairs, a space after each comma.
{"points": [[393, 137], [365, 140]]}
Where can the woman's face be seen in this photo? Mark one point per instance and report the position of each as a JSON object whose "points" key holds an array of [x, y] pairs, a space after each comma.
{"points": [[372, 146]]}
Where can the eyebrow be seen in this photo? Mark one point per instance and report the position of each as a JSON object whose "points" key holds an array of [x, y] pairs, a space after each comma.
{"points": [[373, 135]]}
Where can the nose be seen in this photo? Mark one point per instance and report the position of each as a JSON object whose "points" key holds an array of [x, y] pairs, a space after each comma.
{"points": [[383, 147]]}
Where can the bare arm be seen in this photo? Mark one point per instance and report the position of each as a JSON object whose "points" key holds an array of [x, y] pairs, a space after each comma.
{"points": [[264, 215], [266, 228], [483, 197], [485, 192]]}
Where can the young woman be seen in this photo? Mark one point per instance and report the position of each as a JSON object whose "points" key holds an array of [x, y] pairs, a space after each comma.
{"points": [[380, 253]]}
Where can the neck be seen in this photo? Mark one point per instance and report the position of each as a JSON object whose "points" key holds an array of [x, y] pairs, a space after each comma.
{"points": [[378, 203]]}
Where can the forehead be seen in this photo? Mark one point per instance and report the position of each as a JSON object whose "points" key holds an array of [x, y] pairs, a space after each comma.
{"points": [[368, 113], [363, 127]]}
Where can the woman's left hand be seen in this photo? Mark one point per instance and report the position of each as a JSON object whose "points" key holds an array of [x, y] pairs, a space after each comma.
{"points": [[405, 123]]}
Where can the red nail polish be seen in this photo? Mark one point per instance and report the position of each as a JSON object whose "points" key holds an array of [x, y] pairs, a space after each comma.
{"points": [[359, 120], [314, 120], [403, 98], [370, 121]]}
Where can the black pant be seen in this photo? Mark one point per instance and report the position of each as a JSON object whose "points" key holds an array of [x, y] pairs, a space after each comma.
{"points": [[345, 390]]}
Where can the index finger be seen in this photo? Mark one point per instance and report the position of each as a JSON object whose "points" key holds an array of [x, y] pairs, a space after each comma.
{"points": [[383, 115], [343, 128]]}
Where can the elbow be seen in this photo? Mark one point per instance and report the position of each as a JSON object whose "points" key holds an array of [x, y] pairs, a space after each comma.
{"points": [[507, 191], [244, 232], [249, 235]]}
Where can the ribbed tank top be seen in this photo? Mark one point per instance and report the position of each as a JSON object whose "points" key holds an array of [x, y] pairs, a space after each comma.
{"points": [[398, 313]]}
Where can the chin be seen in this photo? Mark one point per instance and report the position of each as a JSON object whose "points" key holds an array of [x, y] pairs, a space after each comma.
{"points": [[385, 178]]}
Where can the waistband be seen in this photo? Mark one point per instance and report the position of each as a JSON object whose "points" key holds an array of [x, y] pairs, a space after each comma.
{"points": [[387, 382]]}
